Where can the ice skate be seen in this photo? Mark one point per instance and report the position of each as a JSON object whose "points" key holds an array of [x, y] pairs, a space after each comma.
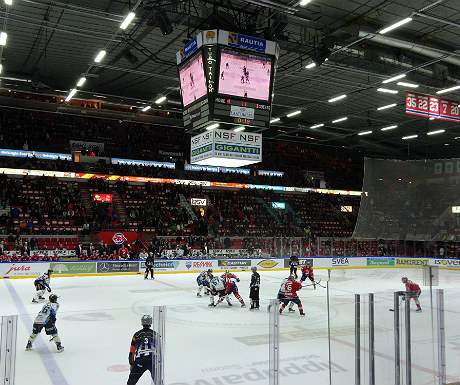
{"points": [[198, 294], [34, 300], [243, 305], [29, 345], [291, 309], [302, 314], [60, 348], [419, 309]]}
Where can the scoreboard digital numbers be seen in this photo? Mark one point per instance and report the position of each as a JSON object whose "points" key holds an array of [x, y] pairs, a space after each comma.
{"points": [[227, 77]]}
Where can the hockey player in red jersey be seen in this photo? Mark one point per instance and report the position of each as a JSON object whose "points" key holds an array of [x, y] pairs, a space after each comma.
{"points": [[290, 294], [307, 272], [230, 287], [123, 252], [413, 291]]}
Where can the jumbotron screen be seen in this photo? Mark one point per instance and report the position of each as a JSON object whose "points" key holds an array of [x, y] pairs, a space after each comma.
{"points": [[192, 82], [245, 75]]}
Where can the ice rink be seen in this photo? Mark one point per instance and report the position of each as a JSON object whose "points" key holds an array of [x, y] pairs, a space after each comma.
{"points": [[228, 345]]}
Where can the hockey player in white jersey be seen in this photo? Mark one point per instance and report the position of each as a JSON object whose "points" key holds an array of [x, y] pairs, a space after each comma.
{"points": [[42, 283], [203, 280], [46, 318], [281, 293], [217, 287]]}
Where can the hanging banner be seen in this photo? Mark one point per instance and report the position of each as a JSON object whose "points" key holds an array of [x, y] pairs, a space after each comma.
{"points": [[432, 106]]}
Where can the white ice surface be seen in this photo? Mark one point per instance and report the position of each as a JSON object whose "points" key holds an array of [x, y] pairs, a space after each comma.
{"points": [[228, 345]]}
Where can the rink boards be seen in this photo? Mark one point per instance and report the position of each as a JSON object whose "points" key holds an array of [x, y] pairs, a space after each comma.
{"points": [[85, 268]]}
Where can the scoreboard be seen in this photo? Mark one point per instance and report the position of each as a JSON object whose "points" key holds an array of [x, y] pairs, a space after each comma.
{"points": [[228, 78]]}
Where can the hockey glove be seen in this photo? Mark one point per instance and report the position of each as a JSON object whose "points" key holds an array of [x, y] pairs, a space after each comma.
{"points": [[237, 280], [49, 289]]}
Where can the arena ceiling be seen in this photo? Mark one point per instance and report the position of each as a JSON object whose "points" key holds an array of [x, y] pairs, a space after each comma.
{"points": [[51, 44]]}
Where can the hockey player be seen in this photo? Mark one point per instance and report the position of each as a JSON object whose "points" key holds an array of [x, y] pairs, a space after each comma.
{"points": [[230, 287], [203, 280], [144, 346], [41, 283], [413, 291], [254, 289], [149, 266], [290, 294], [217, 287], [47, 318], [307, 272], [293, 263]]}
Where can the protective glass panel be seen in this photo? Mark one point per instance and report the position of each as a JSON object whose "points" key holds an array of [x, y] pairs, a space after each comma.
{"points": [[413, 200]]}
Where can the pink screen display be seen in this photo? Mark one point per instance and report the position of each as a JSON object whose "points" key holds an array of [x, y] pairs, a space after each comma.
{"points": [[244, 75], [192, 80]]}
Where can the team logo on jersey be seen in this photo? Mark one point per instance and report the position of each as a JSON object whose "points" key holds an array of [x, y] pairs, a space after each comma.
{"points": [[267, 263], [119, 238]]}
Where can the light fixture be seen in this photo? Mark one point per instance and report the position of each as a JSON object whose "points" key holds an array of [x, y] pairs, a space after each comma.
{"points": [[81, 82], [410, 137], [405, 84], [339, 120], [448, 90], [127, 20], [240, 128], [317, 125], [161, 99], [99, 56], [389, 127], [212, 126], [387, 106], [304, 2], [432, 118], [365, 133], [294, 113], [146, 108], [337, 98], [100, 96], [1, 68], [275, 120], [435, 132], [3, 36], [394, 78], [71, 94], [9, 2], [387, 90], [311, 65], [396, 25]]}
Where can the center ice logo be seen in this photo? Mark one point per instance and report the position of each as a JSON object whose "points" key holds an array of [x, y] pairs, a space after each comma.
{"points": [[119, 238]]}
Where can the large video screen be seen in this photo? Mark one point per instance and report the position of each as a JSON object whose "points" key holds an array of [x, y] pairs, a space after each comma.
{"points": [[192, 82], [244, 74]]}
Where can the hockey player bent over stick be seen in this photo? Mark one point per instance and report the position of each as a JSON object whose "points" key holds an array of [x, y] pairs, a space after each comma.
{"points": [[41, 283], [203, 280], [46, 318], [290, 294]]}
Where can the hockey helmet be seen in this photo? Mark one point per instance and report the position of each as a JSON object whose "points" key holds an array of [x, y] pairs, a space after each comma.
{"points": [[254, 268], [227, 271], [146, 320], [404, 279], [291, 278], [50, 271], [53, 298], [209, 271]]}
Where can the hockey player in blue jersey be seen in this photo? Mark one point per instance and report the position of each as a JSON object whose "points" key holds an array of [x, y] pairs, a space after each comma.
{"points": [[144, 346], [41, 283], [203, 280], [46, 318]]}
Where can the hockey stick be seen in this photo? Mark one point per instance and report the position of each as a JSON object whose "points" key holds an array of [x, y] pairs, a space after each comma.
{"points": [[317, 283], [403, 299]]}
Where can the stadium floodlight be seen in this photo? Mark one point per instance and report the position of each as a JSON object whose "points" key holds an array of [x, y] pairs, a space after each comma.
{"points": [[317, 125], [3, 36], [448, 90], [294, 113], [212, 126], [387, 106], [71, 94], [410, 137], [365, 133], [396, 25], [81, 81], [339, 120], [304, 2], [275, 120], [9, 2], [128, 19], [311, 65], [337, 98], [100, 56], [388, 91], [240, 128], [146, 108], [405, 84], [389, 127], [394, 78], [1, 68], [435, 132], [160, 100]]}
